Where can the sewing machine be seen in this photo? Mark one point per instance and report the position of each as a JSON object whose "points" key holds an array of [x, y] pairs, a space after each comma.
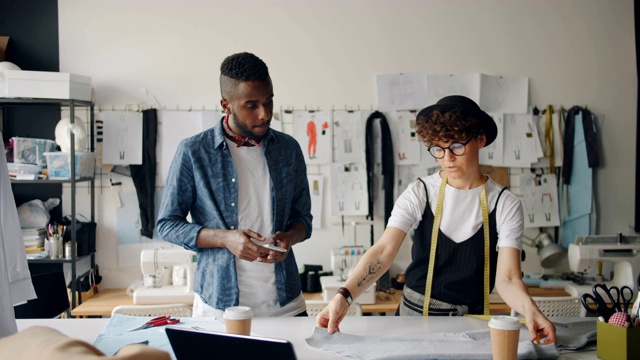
{"points": [[622, 250], [168, 277], [343, 260]]}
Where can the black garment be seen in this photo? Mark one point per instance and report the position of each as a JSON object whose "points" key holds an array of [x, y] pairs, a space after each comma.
{"points": [[387, 163], [591, 144], [144, 176], [459, 274]]}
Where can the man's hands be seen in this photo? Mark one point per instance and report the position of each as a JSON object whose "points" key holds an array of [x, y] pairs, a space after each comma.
{"points": [[240, 244]]}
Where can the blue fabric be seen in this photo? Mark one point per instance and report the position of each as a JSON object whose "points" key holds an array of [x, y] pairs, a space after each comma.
{"points": [[201, 181], [117, 333], [577, 196]]}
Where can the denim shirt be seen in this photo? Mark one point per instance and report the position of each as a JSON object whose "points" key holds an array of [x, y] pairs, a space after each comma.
{"points": [[202, 182]]}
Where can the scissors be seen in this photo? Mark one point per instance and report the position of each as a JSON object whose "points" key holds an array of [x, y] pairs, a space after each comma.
{"points": [[604, 308], [158, 321], [622, 301]]}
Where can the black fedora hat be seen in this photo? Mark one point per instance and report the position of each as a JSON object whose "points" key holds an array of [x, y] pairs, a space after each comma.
{"points": [[466, 107]]}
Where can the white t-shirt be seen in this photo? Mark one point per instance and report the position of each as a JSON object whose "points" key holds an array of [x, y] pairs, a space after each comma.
{"points": [[461, 210], [257, 281]]}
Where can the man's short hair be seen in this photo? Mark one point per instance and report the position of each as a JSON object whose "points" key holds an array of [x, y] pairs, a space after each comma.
{"points": [[244, 67]]}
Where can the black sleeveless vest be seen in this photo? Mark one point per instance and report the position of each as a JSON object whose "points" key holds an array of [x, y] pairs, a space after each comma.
{"points": [[458, 275]]}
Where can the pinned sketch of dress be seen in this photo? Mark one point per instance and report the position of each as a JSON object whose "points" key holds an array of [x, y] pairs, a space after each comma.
{"points": [[122, 136], [312, 133]]}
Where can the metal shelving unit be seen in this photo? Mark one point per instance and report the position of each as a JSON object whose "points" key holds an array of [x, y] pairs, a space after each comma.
{"points": [[72, 104]]}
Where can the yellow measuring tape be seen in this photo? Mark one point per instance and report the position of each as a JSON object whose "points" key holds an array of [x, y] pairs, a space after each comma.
{"points": [[434, 242], [548, 138]]}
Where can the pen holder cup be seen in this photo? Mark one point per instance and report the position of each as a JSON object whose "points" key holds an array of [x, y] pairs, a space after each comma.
{"points": [[616, 342]]}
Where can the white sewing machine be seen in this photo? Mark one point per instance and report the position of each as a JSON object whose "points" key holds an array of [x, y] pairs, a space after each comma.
{"points": [[622, 250], [168, 277]]}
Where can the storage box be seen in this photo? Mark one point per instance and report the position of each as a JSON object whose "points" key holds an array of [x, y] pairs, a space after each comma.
{"points": [[4, 42], [616, 342], [31, 150], [59, 165], [23, 169], [46, 85], [331, 284]]}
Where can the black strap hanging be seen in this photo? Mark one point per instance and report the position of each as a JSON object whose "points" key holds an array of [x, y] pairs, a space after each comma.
{"points": [[387, 163], [590, 141]]}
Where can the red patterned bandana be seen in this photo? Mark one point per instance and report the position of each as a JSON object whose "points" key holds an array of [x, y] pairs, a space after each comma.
{"points": [[237, 139]]}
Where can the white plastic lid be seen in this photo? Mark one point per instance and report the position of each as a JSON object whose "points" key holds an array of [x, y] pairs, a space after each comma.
{"points": [[505, 323], [238, 313]]}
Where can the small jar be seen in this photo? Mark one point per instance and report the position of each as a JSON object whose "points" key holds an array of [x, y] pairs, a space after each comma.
{"points": [[67, 250]]}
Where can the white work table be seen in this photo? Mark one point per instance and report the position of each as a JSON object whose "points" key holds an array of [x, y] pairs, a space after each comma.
{"points": [[297, 329]]}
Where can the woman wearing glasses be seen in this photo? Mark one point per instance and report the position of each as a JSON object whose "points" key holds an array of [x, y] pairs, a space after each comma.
{"points": [[468, 230]]}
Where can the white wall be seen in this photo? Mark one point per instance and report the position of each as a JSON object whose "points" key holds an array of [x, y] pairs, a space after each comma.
{"points": [[326, 54]]}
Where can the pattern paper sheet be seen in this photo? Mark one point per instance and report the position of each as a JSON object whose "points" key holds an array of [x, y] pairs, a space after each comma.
{"points": [[313, 130]]}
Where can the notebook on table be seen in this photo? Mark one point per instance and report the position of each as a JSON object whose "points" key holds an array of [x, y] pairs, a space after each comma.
{"points": [[191, 344]]}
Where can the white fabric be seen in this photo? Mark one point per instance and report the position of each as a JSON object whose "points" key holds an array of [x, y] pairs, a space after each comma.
{"points": [[15, 278], [461, 210], [257, 281]]}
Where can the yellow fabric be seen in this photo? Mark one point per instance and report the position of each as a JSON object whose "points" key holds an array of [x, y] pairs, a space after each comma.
{"points": [[40, 342]]}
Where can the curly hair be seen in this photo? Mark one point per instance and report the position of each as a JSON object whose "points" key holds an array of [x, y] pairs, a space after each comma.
{"points": [[241, 67], [452, 125]]}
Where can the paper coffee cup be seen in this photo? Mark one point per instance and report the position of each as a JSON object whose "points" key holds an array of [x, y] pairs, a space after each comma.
{"points": [[237, 320], [505, 334]]}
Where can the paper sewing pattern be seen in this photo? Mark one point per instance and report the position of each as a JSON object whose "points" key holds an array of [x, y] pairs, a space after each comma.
{"points": [[540, 200], [122, 137], [519, 140], [401, 91], [504, 94], [493, 154], [405, 140], [349, 128], [441, 85], [349, 190]]}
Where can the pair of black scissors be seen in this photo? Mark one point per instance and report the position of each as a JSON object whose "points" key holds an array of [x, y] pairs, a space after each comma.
{"points": [[604, 306], [622, 300]]}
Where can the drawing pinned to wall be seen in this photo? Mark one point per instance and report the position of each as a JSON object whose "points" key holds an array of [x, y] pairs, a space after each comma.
{"points": [[441, 85], [540, 200], [316, 188], [349, 189], [401, 91], [175, 126], [520, 136], [122, 137], [409, 174], [313, 131], [492, 154], [349, 127], [405, 140], [504, 94]]}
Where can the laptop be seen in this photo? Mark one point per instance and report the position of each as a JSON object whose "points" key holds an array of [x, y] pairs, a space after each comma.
{"points": [[190, 344]]}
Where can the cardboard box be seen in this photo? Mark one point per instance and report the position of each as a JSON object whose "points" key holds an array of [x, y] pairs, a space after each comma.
{"points": [[46, 85], [616, 342], [4, 42]]}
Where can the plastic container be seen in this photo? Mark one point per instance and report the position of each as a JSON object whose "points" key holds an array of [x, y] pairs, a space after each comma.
{"points": [[23, 169], [59, 165], [31, 150]]}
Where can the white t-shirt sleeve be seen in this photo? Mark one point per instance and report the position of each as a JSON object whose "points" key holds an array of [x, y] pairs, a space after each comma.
{"points": [[408, 208], [510, 221]]}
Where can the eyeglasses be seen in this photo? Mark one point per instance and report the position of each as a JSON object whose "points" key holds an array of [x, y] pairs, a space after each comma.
{"points": [[456, 148]]}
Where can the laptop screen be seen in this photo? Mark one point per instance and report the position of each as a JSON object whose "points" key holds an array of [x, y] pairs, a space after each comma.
{"points": [[188, 344]]}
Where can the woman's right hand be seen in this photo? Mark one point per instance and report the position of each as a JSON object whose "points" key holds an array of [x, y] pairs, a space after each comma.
{"points": [[331, 316]]}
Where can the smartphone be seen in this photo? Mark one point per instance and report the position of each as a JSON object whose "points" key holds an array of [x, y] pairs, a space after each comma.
{"points": [[267, 245]]}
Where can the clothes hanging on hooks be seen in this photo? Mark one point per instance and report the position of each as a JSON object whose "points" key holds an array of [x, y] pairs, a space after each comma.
{"points": [[387, 162], [568, 140], [144, 175]]}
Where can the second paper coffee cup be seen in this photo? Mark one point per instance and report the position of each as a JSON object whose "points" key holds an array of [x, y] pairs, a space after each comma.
{"points": [[237, 320], [505, 334]]}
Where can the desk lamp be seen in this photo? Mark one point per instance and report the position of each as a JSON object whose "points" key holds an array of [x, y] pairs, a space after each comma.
{"points": [[551, 254]]}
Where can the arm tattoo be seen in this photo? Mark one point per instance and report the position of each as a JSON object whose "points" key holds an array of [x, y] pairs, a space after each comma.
{"points": [[370, 272]]}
